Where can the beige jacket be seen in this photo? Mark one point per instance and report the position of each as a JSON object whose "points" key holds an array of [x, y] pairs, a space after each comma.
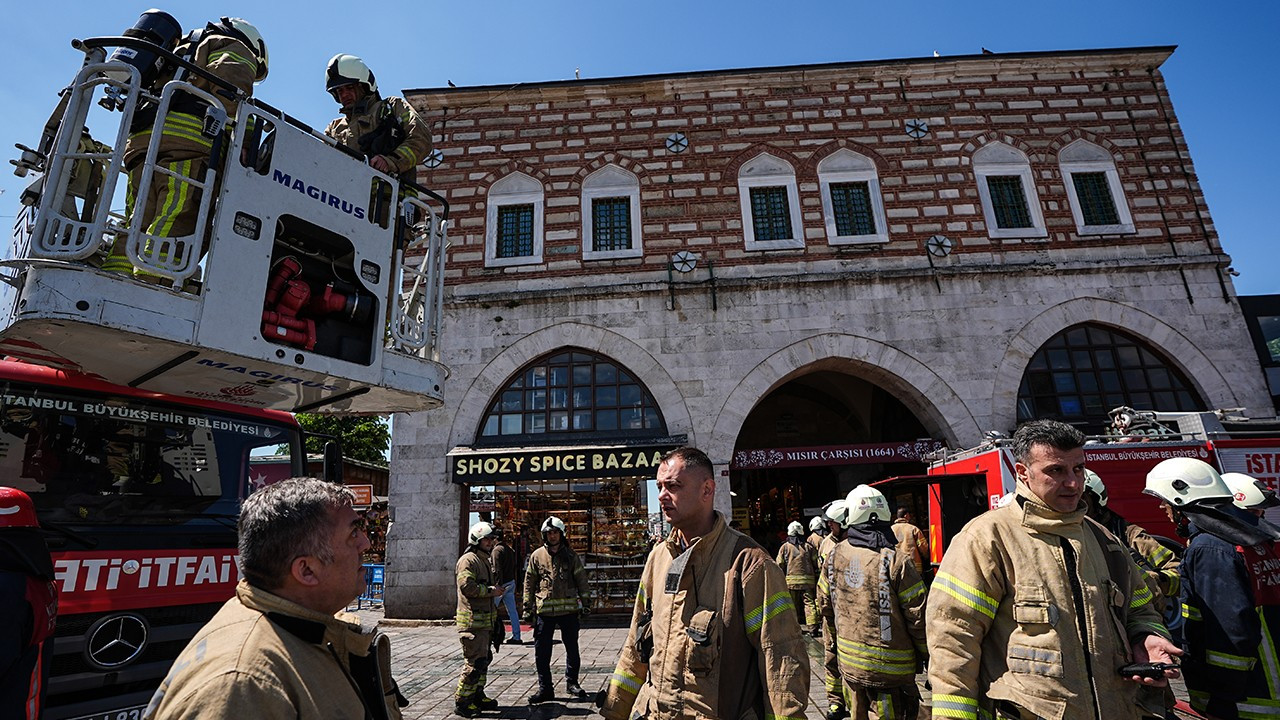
{"points": [[912, 543], [414, 140], [1006, 609], [725, 642], [879, 602], [799, 563], [824, 586], [262, 656], [555, 584], [476, 580]]}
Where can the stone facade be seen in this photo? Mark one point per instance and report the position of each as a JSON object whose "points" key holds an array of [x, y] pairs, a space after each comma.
{"points": [[949, 336]]}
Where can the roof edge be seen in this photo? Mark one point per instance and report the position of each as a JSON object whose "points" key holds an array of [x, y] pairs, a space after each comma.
{"points": [[1163, 50]]}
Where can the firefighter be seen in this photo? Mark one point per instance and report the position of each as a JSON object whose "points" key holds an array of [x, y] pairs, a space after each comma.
{"points": [[386, 131], [231, 49], [1230, 593], [30, 599], [1249, 494], [556, 594], [837, 708], [800, 563], [817, 531], [712, 634], [879, 601], [1158, 562], [474, 619], [911, 542], [1035, 608]]}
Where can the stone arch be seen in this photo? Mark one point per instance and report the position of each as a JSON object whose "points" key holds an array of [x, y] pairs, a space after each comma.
{"points": [[1172, 343], [509, 168], [978, 141], [827, 150], [1065, 139], [756, 150], [626, 353], [912, 382], [604, 160]]}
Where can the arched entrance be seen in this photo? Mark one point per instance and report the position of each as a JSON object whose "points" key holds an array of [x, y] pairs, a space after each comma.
{"points": [[812, 440]]}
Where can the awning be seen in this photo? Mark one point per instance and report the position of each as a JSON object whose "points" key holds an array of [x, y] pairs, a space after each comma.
{"points": [[487, 466]]}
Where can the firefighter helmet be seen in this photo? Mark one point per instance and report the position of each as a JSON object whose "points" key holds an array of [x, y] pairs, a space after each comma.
{"points": [[347, 69], [1249, 493], [245, 32], [865, 504], [836, 511], [553, 523], [479, 531], [795, 529], [1186, 481], [817, 524], [1094, 484], [16, 509]]}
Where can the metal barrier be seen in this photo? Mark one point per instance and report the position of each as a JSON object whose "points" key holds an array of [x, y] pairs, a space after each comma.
{"points": [[374, 575]]}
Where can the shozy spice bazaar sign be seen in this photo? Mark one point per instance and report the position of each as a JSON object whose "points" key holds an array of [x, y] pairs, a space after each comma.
{"points": [[479, 467]]}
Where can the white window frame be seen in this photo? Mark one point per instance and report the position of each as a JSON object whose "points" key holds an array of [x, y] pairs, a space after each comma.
{"points": [[1090, 158], [514, 189], [766, 170], [610, 181], [1007, 160], [847, 166]]}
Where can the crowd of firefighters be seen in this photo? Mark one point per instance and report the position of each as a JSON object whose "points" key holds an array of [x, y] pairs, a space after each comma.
{"points": [[1050, 605]]}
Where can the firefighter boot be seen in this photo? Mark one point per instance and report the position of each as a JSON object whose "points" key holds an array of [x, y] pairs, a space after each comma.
{"points": [[467, 707]]}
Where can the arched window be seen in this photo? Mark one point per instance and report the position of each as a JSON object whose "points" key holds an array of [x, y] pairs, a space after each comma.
{"points": [[1085, 371], [851, 200], [567, 395], [1093, 187], [1008, 192], [770, 204], [611, 215], [513, 222]]}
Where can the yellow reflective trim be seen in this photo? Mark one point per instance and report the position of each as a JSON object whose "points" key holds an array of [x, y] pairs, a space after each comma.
{"points": [[1229, 661], [967, 594], [1141, 596], [912, 592], [219, 54], [955, 706], [625, 681]]}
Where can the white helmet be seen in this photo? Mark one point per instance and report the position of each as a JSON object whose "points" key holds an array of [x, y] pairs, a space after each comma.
{"points": [[479, 531], [553, 523], [1186, 481], [1094, 483], [346, 69], [795, 529], [244, 31], [1248, 493], [836, 511], [817, 524], [865, 504]]}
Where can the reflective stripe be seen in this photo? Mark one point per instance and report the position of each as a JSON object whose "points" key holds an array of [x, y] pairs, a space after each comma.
{"points": [[625, 681], [1191, 613], [640, 596], [407, 153], [1246, 709], [771, 716], [177, 196], [1160, 556], [805, 580], [911, 593], [1229, 661], [967, 594], [219, 54], [884, 705], [772, 606], [1141, 596], [1269, 657], [1175, 583], [955, 706], [879, 659]]}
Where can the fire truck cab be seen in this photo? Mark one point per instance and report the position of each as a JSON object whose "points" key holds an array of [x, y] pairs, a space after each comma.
{"points": [[295, 291], [961, 485]]}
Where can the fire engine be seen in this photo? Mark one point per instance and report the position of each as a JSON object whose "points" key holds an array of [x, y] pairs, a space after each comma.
{"points": [[133, 405], [961, 485]]}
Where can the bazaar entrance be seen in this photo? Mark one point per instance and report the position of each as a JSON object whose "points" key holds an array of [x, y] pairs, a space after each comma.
{"points": [[812, 440]]}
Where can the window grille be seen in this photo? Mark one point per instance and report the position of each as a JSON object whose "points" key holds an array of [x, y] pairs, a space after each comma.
{"points": [[1096, 204], [1009, 201], [515, 231], [851, 203], [611, 224], [770, 213]]}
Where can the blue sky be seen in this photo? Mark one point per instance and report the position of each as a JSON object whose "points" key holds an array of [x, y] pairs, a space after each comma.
{"points": [[1222, 78]]}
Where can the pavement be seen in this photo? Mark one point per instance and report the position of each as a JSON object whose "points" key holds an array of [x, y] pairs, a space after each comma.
{"points": [[427, 659]]}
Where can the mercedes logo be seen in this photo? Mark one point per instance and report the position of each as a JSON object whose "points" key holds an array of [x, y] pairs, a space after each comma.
{"points": [[115, 641]]}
